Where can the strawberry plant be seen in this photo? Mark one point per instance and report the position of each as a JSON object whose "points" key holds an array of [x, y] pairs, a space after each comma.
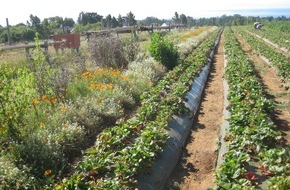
{"points": [[251, 132]]}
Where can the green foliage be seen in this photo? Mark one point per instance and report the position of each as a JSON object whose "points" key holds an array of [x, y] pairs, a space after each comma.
{"points": [[41, 70], [16, 93], [162, 50], [131, 19], [89, 18], [79, 28], [19, 33]]}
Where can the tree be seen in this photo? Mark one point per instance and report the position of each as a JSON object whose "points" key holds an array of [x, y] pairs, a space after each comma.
{"points": [[120, 21], [45, 27], [176, 18], [108, 21], [35, 23], [190, 21], [68, 22], [183, 19], [151, 20], [115, 23], [89, 18], [131, 19]]}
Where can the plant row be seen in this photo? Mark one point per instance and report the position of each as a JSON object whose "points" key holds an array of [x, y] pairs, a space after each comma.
{"points": [[130, 148], [252, 136], [274, 35], [280, 61]]}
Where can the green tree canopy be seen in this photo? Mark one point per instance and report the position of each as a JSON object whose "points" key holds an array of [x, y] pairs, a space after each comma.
{"points": [[89, 18], [131, 19]]}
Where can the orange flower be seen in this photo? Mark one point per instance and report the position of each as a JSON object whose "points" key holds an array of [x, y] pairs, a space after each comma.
{"points": [[52, 100], [44, 97], [47, 172], [11, 148], [86, 74], [116, 73], [35, 101]]}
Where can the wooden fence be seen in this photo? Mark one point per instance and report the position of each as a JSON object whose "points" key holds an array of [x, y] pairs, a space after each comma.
{"points": [[27, 46], [132, 29]]}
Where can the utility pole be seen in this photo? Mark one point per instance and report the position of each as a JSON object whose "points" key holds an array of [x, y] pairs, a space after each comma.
{"points": [[8, 32]]}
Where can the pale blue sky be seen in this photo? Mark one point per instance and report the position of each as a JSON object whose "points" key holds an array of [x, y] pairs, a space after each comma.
{"points": [[18, 11]]}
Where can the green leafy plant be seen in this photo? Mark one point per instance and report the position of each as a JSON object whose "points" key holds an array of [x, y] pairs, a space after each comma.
{"points": [[162, 50]]}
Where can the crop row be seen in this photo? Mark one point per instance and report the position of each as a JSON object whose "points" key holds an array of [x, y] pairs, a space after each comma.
{"points": [[122, 152], [252, 136], [280, 61], [276, 36]]}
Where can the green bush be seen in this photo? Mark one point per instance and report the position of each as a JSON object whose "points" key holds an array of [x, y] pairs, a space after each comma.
{"points": [[162, 50]]}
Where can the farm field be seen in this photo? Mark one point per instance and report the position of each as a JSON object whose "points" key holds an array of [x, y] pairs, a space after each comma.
{"points": [[97, 120]]}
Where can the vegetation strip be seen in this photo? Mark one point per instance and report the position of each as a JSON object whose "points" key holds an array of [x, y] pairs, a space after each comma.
{"points": [[271, 43], [277, 32], [281, 62], [252, 135]]}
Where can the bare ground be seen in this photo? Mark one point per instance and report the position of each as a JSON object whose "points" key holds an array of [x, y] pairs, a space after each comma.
{"points": [[274, 90], [195, 169]]}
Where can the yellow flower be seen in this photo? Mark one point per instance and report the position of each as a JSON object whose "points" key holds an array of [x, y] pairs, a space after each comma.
{"points": [[124, 77], [47, 172], [63, 108], [41, 124], [92, 86], [65, 126]]}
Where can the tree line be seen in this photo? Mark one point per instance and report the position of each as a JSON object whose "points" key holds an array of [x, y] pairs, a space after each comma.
{"points": [[94, 21]]}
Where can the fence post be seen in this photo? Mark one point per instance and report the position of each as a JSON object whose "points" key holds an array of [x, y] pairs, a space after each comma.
{"points": [[136, 32], [8, 32], [27, 51]]}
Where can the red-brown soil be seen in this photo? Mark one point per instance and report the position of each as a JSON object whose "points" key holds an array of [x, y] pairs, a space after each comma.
{"points": [[196, 167]]}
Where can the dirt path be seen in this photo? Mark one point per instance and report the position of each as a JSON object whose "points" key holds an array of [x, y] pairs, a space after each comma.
{"points": [[196, 167], [271, 82]]}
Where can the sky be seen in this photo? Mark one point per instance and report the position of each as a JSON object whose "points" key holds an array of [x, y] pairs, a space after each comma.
{"points": [[18, 11]]}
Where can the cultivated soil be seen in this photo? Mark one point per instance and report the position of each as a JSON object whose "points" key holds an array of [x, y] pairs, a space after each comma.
{"points": [[274, 90], [195, 169]]}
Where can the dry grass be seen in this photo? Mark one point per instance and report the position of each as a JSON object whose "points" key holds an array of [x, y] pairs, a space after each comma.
{"points": [[194, 32]]}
